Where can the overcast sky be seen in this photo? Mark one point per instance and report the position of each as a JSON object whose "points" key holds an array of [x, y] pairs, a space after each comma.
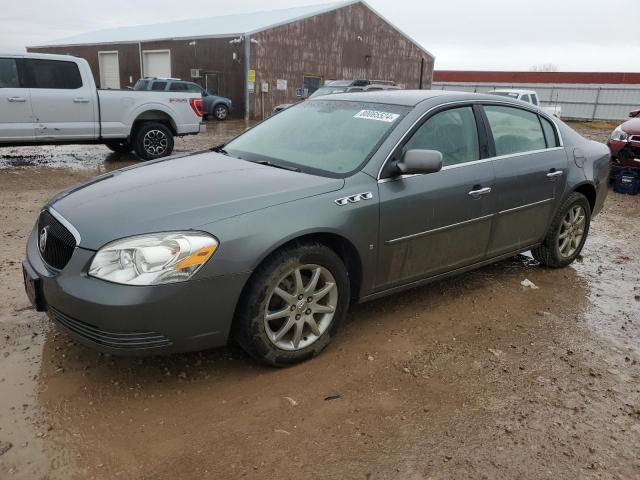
{"points": [[574, 35]]}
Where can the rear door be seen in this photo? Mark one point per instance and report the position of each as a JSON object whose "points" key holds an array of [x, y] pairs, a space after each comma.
{"points": [[435, 223], [63, 101], [531, 169], [16, 116]]}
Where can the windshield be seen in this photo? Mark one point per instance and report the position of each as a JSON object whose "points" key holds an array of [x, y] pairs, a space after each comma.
{"points": [[327, 91], [505, 94], [332, 138]]}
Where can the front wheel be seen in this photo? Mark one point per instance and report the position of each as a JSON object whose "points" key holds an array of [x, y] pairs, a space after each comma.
{"points": [[220, 112], [119, 146], [293, 305], [567, 233], [153, 140]]}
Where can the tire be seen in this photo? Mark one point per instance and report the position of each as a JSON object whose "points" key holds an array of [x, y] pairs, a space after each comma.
{"points": [[550, 253], [119, 146], [220, 112], [153, 140], [259, 336]]}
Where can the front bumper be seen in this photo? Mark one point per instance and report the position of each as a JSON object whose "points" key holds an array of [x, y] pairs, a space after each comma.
{"points": [[122, 319]]}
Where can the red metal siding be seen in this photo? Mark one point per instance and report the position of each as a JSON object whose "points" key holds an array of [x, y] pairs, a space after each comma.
{"points": [[536, 77]]}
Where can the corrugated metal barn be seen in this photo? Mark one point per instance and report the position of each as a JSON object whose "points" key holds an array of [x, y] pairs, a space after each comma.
{"points": [[258, 60], [582, 95]]}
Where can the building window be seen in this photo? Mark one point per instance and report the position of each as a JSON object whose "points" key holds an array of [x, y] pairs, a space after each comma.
{"points": [[311, 83]]}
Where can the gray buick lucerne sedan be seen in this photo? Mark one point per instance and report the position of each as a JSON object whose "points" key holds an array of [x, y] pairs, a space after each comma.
{"points": [[269, 238]]}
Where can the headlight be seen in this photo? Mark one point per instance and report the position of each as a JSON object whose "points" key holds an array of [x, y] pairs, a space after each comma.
{"points": [[153, 259], [619, 134]]}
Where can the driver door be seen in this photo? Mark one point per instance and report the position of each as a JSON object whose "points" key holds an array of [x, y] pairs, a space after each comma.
{"points": [[438, 222]]}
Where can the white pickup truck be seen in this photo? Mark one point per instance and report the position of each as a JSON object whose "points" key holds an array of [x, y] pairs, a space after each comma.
{"points": [[53, 99], [529, 96]]}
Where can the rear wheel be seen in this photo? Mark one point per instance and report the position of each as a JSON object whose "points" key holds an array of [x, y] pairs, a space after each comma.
{"points": [[293, 305], [119, 146], [220, 112], [567, 233], [153, 140]]}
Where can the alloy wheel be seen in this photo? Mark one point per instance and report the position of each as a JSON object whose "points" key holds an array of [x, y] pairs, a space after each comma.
{"points": [[220, 112], [155, 142], [300, 307], [572, 231]]}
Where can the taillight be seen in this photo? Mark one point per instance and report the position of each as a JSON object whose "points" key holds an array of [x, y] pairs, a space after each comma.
{"points": [[196, 104]]}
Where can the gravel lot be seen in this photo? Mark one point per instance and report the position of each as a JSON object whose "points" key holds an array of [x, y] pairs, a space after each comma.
{"points": [[472, 377]]}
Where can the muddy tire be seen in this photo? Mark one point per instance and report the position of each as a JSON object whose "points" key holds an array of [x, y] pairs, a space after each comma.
{"points": [[119, 146], [567, 234], [153, 140], [293, 305]]}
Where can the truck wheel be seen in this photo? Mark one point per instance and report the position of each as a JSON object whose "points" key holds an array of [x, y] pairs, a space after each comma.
{"points": [[293, 305], [220, 112], [119, 146], [153, 140], [567, 233]]}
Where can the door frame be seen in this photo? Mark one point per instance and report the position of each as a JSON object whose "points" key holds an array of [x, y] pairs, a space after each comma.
{"points": [[108, 52]]}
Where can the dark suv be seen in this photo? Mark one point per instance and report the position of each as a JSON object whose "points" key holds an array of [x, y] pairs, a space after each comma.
{"points": [[213, 105]]}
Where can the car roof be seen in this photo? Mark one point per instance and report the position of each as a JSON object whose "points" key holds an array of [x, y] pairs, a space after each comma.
{"points": [[409, 98]]}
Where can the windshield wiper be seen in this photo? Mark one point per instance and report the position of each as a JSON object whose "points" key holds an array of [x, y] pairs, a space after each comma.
{"points": [[220, 149], [275, 165]]}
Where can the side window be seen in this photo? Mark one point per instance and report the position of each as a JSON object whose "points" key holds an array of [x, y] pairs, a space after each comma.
{"points": [[178, 87], [192, 87], [525, 98], [549, 133], [158, 86], [52, 74], [534, 100], [452, 132], [9, 73], [514, 130]]}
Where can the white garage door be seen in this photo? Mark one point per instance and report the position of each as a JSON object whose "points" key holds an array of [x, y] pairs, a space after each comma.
{"points": [[109, 70], [157, 63]]}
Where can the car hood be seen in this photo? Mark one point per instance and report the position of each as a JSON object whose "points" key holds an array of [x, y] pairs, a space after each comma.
{"points": [[632, 127], [179, 194]]}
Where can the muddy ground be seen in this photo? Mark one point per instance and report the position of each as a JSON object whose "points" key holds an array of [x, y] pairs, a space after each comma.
{"points": [[472, 377]]}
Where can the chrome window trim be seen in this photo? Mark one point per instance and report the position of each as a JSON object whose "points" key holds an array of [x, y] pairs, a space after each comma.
{"points": [[537, 110], [66, 224]]}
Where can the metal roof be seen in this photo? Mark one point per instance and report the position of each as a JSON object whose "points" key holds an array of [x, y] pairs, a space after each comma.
{"points": [[205, 27], [212, 27]]}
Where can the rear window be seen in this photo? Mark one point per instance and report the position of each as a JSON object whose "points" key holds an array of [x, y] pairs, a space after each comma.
{"points": [[8, 73], [158, 85], [514, 130], [54, 74]]}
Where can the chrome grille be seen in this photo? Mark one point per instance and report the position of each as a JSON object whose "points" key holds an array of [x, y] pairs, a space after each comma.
{"points": [[55, 242]]}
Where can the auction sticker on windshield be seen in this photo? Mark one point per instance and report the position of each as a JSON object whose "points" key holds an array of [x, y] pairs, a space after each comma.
{"points": [[375, 115]]}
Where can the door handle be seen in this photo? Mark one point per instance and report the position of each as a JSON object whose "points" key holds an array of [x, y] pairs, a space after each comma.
{"points": [[81, 100], [477, 193], [16, 99], [553, 174]]}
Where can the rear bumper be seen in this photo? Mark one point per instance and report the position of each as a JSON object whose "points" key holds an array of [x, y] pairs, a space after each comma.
{"points": [[134, 320]]}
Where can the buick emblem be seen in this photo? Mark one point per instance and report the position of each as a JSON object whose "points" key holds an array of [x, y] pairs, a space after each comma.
{"points": [[43, 239]]}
